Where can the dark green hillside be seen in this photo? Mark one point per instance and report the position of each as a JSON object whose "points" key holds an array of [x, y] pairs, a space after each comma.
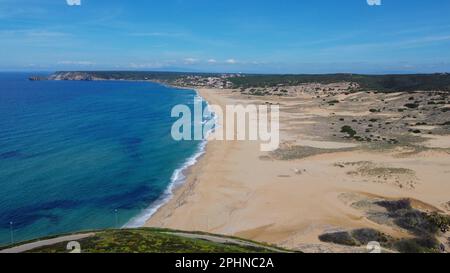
{"points": [[382, 83], [136, 75], [379, 83]]}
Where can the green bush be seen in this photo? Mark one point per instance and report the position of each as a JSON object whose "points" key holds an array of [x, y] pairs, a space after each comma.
{"points": [[412, 105], [366, 235], [418, 245], [442, 222], [340, 238], [348, 130]]}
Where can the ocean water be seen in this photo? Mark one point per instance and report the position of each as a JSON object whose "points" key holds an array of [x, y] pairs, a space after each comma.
{"points": [[85, 155]]}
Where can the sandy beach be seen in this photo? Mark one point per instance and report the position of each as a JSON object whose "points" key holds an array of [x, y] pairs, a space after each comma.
{"points": [[289, 198]]}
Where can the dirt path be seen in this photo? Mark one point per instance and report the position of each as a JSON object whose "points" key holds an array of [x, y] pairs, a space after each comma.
{"points": [[49, 242]]}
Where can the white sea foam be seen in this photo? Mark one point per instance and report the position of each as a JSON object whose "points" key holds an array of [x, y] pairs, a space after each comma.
{"points": [[177, 179]]}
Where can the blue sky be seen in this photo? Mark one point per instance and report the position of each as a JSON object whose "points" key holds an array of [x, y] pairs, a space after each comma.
{"points": [[263, 36]]}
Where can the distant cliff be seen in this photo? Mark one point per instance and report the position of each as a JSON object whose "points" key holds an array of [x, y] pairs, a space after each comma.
{"points": [[165, 77], [380, 83], [37, 78], [73, 76]]}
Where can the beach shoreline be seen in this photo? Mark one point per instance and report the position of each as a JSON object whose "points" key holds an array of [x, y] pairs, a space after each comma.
{"points": [[235, 189], [178, 190], [177, 180]]}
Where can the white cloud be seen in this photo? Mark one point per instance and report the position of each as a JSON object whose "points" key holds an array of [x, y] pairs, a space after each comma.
{"points": [[84, 63], [400, 44], [374, 2], [190, 61], [212, 61], [32, 33], [155, 34], [231, 61], [45, 33], [73, 2], [146, 65]]}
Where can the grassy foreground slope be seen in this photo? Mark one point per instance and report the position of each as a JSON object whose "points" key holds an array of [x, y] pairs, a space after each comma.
{"points": [[149, 240]]}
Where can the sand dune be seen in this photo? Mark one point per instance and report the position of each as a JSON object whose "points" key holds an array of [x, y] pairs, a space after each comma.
{"points": [[237, 190]]}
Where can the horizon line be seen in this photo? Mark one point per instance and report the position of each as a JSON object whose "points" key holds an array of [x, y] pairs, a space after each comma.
{"points": [[212, 73]]}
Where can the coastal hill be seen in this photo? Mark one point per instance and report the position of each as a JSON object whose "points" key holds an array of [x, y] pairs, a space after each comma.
{"points": [[144, 240], [121, 75], [380, 83]]}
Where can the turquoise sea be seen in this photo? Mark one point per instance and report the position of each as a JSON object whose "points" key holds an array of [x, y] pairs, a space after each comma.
{"points": [[86, 155]]}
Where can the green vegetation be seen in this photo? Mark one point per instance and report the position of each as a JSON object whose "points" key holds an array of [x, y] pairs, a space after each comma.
{"points": [[424, 226], [140, 75], [340, 238], [358, 237], [299, 152], [426, 244], [348, 130], [409, 218], [380, 83], [148, 240], [412, 105], [440, 221]]}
